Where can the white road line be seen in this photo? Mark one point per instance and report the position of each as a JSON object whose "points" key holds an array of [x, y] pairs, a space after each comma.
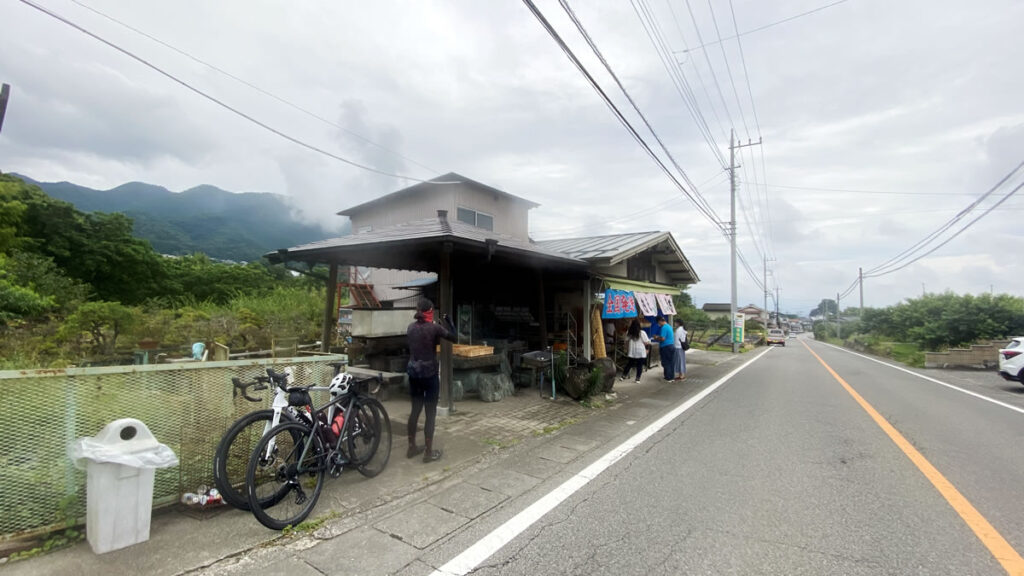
{"points": [[473, 556], [930, 379]]}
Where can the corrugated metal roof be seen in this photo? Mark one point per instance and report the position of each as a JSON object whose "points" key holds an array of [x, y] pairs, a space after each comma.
{"points": [[417, 232], [612, 249], [432, 184]]}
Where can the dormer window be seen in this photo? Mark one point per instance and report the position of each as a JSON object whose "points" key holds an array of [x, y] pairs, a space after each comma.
{"points": [[474, 218]]}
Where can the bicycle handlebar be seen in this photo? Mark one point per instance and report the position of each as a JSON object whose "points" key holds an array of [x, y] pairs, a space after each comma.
{"points": [[258, 383]]}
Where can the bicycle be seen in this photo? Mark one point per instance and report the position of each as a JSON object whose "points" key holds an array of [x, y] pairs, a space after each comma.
{"points": [[234, 449], [297, 455]]}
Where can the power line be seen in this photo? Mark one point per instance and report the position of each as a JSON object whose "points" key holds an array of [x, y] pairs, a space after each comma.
{"points": [[757, 124], [611, 105], [728, 69], [879, 270], [697, 196], [678, 78], [885, 192], [950, 239], [633, 215], [254, 87], [711, 68], [766, 26], [220, 103]]}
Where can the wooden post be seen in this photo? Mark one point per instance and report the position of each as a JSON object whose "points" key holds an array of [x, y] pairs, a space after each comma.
{"points": [[444, 288], [329, 327]]}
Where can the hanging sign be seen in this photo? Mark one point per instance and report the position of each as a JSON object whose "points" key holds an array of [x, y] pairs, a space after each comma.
{"points": [[618, 304], [647, 303], [666, 305]]}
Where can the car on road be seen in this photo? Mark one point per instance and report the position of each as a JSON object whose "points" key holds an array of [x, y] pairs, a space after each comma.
{"points": [[1011, 360], [776, 336]]}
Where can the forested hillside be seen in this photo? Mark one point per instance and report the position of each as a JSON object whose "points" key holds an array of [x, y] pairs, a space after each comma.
{"points": [[223, 225], [78, 288]]}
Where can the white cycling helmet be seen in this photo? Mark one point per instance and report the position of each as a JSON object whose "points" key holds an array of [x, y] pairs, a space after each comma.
{"points": [[340, 383]]}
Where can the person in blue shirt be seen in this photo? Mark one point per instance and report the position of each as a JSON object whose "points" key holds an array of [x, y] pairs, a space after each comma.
{"points": [[666, 347]]}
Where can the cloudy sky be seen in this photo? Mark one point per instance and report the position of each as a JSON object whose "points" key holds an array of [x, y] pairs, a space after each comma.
{"points": [[880, 121]]}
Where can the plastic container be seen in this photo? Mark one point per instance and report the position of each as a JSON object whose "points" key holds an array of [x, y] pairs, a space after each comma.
{"points": [[121, 463]]}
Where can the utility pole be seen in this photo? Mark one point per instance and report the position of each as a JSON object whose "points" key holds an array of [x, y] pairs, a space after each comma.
{"points": [[5, 94], [860, 280], [778, 321], [733, 230], [764, 280], [839, 326]]}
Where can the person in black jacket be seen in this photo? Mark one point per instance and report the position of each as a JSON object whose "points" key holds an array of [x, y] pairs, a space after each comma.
{"points": [[424, 384]]}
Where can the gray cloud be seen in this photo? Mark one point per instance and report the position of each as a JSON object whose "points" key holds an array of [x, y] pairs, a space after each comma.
{"points": [[914, 97]]}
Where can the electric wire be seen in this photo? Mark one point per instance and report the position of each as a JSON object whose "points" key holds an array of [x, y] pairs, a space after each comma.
{"points": [[254, 87], [728, 69], [884, 192], [766, 26], [678, 78], [880, 269], [643, 212], [220, 103], [767, 231], [711, 68], [611, 105], [950, 239], [696, 196], [700, 79]]}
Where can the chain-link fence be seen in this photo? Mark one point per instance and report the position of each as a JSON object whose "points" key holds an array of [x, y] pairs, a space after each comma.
{"points": [[186, 406]]}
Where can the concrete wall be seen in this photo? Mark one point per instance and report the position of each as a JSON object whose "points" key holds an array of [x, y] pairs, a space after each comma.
{"points": [[378, 323], [980, 356]]}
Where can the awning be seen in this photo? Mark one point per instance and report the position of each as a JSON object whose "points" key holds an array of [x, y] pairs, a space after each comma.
{"points": [[637, 286]]}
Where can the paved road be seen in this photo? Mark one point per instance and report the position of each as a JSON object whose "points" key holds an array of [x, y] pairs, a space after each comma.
{"points": [[783, 469]]}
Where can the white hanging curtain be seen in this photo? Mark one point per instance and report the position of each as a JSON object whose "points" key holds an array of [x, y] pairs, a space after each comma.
{"points": [[647, 303]]}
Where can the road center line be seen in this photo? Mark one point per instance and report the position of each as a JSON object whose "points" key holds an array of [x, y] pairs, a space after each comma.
{"points": [[929, 378], [989, 536], [484, 548]]}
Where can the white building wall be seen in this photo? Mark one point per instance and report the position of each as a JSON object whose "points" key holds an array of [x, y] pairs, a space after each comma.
{"points": [[511, 217]]}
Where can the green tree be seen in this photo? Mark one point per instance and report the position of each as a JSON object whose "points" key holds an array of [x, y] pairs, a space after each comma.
{"points": [[826, 307], [99, 324]]}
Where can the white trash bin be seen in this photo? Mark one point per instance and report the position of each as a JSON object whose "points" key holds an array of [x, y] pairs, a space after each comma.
{"points": [[122, 460]]}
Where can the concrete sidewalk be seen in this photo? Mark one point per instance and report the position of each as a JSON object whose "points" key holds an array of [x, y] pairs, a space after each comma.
{"points": [[493, 452]]}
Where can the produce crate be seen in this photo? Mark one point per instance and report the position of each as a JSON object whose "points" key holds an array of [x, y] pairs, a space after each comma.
{"points": [[471, 351]]}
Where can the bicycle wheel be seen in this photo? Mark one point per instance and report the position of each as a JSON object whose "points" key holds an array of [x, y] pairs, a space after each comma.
{"points": [[369, 437], [285, 475], [231, 459]]}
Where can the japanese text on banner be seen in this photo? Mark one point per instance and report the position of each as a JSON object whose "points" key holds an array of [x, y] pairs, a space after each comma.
{"points": [[618, 304]]}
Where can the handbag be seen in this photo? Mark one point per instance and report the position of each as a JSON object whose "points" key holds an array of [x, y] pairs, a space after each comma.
{"points": [[685, 344]]}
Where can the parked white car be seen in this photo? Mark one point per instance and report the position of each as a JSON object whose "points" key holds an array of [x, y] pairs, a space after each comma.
{"points": [[1011, 360]]}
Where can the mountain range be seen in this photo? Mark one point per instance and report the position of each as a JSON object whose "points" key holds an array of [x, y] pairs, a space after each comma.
{"points": [[223, 225]]}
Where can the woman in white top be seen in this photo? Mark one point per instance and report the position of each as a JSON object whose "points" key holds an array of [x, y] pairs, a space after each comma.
{"points": [[638, 342], [680, 353]]}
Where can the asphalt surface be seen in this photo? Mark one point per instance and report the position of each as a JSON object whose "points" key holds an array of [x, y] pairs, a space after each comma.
{"points": [[780, 471]]}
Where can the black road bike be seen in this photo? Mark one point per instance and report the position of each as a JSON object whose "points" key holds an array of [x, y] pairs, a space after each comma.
{"points": [[287, 468]]}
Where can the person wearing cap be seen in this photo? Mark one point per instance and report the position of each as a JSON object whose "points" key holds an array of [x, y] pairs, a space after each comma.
{"points": [[666, 347], [424, 383]]}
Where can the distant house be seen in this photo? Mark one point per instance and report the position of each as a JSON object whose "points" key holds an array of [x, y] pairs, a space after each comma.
{"points": [[750, 312], [717, 310]]}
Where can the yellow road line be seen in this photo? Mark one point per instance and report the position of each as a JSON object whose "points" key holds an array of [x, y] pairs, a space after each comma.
{"points": [[989, 536]]}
